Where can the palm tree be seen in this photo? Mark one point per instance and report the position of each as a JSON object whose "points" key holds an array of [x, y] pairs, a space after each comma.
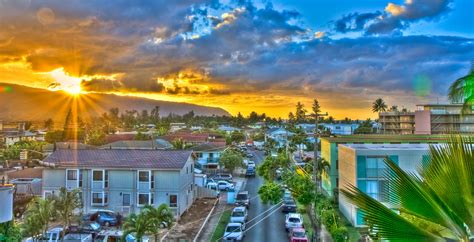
{"points": [[137, 225], [436, 205], [155, 113], [379, 106], [158, 217], [323, 168], [38, 214], [65, 204], [462, 90], [178, 144]]}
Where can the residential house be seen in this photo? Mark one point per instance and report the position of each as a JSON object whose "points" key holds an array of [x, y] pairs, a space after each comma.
{"points": [[280, 135], [208, 154], [177, 126], [340, 128], [362, 166], [329, 150], [123, 180], [228, 129]]}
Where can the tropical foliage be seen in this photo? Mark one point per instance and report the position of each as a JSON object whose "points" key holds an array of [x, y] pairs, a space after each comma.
{"points": [[65, 203], [231, 159], [149, 221], [462, 90], [435, 205], [38, 214]]}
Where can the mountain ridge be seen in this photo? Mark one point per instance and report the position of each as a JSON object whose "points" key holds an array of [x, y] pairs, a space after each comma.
{"points": [[37, 104]]}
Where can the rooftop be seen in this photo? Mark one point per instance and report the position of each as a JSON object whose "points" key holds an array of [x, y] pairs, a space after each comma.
{"points": [[388, 146], [137, 144], [141, 159], [210, 146], [387, 138]]}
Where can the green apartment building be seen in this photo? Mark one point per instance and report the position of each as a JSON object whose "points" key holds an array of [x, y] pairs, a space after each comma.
{"points": [[329, 150]]}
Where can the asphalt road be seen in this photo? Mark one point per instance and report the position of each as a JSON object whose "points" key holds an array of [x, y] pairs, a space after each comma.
{"points": [[272, 228]]}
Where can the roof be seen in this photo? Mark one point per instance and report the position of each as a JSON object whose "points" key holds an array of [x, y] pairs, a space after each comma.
{"points": [[136, 144], [117, 137], [141, 159], [387, 146], [210, 146], [26, 173], [387, 138], [67, 145]]}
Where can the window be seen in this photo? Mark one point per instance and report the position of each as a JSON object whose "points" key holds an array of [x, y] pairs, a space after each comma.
{"points": [[144, 176], [173, 201], [71, 175], [80, 179], [106, 184], [97, 175], [372, 189], [152, 181], [143, 199], [98, 198]]}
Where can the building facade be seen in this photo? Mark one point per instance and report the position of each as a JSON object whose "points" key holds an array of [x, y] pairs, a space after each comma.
{"points": [[362, 166], [208, 155], [123, 180], [428, 119], [330, 148]]}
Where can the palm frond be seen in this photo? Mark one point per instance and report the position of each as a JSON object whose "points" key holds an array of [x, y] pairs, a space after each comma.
{"points": [[388, 224], [450, 176]]}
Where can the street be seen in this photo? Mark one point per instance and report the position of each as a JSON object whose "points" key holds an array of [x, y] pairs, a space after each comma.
{"points": [[271, 228]]}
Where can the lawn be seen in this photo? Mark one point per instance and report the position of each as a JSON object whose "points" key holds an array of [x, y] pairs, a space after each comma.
{"points": [[219, 231]]}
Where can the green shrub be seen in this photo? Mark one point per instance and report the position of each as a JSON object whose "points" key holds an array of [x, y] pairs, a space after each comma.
{"points": [[328, 218], [339, 233]]}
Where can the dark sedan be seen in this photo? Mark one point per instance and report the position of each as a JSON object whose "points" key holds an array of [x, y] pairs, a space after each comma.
{"points": [[289, 206]]}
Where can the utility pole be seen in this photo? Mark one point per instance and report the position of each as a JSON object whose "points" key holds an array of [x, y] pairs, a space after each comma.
{"points": [[315, 160]]}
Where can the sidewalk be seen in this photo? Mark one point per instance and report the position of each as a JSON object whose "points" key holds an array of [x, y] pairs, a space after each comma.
{"points": [[325, 236], [209, 228]]}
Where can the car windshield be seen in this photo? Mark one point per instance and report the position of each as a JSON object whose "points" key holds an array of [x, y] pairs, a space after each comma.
{"points": [[238, 214], [294, 220], [298, 234], [289, 202], [231, 229], [242, 196]]}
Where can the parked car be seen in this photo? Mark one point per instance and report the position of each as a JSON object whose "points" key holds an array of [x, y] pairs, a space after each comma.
{"points": [[289, 206], [233, 232], [293, 220], [251, 163], [86, 227], [239, 215], [213, 186], [104, 218], [116, 236], [52, 235], [78, 237], [279, 172], [298, 235], [250, 171], [225, 185], [222, 177], [242, 199], [287, 194], [249, 155]]}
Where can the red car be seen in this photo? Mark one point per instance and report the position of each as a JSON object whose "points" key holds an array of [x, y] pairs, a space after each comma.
{"points": [[298, 235]]}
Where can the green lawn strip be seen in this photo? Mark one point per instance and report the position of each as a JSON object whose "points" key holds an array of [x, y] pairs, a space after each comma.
{"points": [[223, 221], [354, 234], [306, 220]]}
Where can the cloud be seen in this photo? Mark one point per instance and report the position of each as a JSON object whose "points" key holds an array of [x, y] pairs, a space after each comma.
{"points": [[394, 19]]}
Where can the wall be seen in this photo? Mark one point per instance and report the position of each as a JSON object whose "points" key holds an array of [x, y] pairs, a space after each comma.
{"points": [[347, 176], [422, 122]]}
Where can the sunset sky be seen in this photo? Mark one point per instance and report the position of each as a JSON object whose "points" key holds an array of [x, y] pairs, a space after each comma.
{"points": [[242, 56]]}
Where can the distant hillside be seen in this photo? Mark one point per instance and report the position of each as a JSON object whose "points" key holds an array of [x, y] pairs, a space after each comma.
{"points": [[26, 103]]}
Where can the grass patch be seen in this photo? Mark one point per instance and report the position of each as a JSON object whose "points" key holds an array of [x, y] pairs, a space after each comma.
{"points": [[220, 228], [306, 220]]}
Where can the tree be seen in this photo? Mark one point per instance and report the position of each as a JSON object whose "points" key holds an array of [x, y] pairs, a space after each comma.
{"points": [[379, 106], [141, 136], [155, 114], [10, 231], [316, 107], [300, 113], [48, 124], [237, 137], [39, 213], [95, 135], [65, 204], [364, 128], [231, 159], [137, 225], [291, 118], [462, 91], [270, 192], [54, 136], [158, 217], [178, 144], [436, 205]]}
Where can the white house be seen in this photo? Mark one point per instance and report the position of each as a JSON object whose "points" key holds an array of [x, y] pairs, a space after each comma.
{"points": [[341, 129]]}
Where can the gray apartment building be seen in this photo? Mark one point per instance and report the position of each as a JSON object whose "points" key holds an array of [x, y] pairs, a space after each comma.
{"points": [[123, 180]]}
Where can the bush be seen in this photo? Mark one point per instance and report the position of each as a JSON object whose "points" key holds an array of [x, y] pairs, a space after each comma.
{"points": [[328, 218], [339, 233]]}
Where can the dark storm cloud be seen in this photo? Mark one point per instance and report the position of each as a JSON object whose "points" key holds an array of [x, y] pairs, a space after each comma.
{"points": [[395, 18], [230, 48]]}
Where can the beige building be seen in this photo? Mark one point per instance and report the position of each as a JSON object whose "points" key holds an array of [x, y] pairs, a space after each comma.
{"points": [[428, 119]]}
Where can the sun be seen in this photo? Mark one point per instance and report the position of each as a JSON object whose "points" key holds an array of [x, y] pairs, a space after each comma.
{"points": [[65, 82]]}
